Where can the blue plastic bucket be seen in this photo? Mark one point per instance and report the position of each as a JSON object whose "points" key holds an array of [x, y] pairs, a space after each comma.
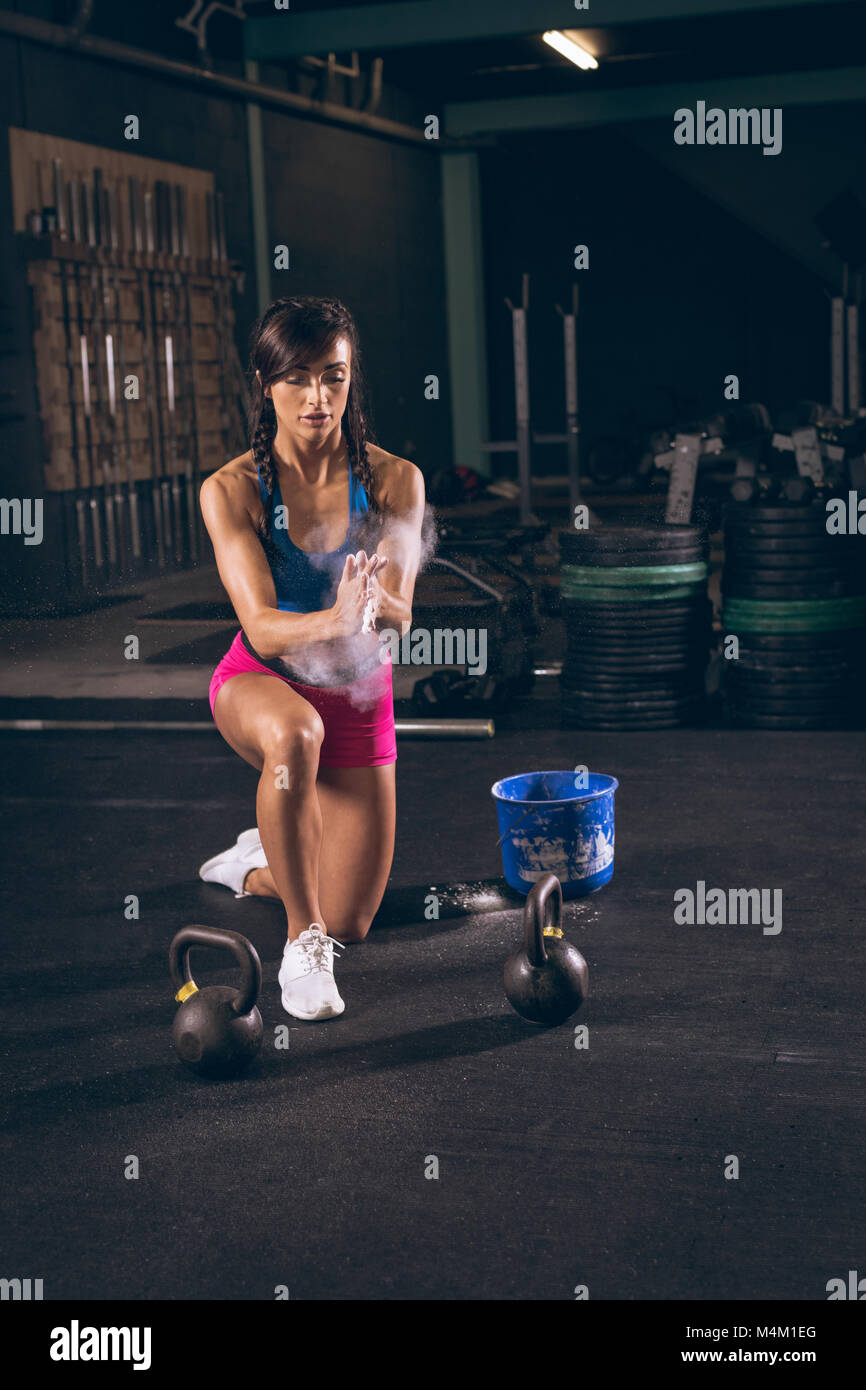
{"points": [[549, 822]]}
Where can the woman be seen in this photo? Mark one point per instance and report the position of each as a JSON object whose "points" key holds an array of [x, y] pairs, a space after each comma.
{"points": [[317, 536]]}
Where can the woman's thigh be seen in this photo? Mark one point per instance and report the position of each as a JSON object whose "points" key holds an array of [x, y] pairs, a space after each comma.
{"points": [[359, 817], [256, 712]]}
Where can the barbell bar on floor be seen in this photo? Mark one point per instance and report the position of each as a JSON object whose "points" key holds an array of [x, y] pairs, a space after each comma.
{"points": [[406, 728]]}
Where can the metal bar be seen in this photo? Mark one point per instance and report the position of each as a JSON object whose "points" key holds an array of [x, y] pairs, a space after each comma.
{"points": [[258, 194], [853, 326], [142, 233], [837, 354], [521, 401], [91, 45], [414, 23], [585, 108], [464, 286], [684, 473], [192, 468], [572, 419], [406, 728]]}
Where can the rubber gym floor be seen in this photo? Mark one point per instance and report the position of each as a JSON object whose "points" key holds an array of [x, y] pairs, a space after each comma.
{"points": [[558, 1166]]}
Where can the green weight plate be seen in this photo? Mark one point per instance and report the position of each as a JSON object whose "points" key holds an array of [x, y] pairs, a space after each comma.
{"points": [[779, 625], [833, 607], [637, 576], [644, 594]]}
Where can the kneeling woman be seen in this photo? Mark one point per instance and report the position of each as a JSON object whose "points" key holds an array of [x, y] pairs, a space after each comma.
{"points": [[317, 536]]}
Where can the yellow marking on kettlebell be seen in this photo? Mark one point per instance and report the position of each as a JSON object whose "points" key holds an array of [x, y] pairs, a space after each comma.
{"points": [[191, 988], [552, 931]]}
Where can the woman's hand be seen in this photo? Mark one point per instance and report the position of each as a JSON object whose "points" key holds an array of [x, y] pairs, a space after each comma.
{"points": [[374, 595], [358, 575]]}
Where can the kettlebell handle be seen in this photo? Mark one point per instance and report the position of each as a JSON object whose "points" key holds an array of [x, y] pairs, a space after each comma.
{"points": [[243, 951], [544, 900]]}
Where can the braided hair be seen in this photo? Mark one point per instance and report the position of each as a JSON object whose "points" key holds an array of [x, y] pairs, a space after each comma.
{"points": [[298, 329]]}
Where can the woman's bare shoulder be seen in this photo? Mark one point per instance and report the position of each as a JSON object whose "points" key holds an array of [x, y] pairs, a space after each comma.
{"points": [[235, 484], [400, 483]]}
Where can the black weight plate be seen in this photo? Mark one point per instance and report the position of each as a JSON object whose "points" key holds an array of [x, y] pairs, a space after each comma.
{"points": [[785, 513], [660, 537], [647, 661], [634, 613], [788, 661], [670, 676], [588, 650], [641, 634], [747, 692], [625, 726], [776, 593], [783, 545], [607, 708], [633, 720], [781, 579], [605, 625], [604, 697], [738, 558], [826, 674], [790, 704], [633, 622], [590, 646], [584, 656], [793, 531], [793, 641], [753, 720], [594, 709], [607, 559]]}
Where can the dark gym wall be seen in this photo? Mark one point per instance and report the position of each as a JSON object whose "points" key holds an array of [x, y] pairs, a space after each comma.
{"points": [[360, 214], [363, 221], [679, 292]]}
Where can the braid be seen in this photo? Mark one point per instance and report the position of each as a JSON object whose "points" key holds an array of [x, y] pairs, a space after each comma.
{"points": [[263, 438]]}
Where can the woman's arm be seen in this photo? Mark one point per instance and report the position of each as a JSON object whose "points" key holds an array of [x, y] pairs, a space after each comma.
{"points": [[401, 500], [246, 576]]}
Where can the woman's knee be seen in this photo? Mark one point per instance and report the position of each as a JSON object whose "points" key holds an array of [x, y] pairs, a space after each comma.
{"points": [[293, 737], [349, 929]]}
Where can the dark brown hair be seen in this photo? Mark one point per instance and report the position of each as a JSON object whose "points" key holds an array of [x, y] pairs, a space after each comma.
{"points": [[299, 329]]}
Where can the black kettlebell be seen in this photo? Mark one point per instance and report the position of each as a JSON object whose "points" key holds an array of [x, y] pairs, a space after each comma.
{"points": [[547, 980], [217, 1031]]}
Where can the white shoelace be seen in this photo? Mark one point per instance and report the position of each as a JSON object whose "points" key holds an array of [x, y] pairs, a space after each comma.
{"points": [[318, 951]]}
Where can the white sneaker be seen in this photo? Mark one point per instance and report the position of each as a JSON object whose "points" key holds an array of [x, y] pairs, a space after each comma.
{"points": [[307, 976], [232, 866]]}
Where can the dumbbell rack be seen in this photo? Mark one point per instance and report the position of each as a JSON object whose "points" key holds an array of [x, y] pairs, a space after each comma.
{"points": [[126, 463]]}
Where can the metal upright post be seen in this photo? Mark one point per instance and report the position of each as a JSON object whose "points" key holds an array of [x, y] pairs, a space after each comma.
{"points": [[572, 425], [521, 400]]}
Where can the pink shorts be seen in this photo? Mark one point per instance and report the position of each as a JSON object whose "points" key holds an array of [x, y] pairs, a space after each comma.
{"points": [[358, 718]]}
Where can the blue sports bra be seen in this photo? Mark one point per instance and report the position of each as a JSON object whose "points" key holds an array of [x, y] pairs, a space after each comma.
{"points": [[306, 581]]}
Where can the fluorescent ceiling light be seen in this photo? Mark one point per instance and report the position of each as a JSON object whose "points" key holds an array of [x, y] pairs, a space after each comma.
{"points": [[569, 48]]}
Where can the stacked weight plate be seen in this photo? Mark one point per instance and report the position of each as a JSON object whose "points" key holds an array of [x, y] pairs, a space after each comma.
{"points": [[795, 597], [637, 625]]}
